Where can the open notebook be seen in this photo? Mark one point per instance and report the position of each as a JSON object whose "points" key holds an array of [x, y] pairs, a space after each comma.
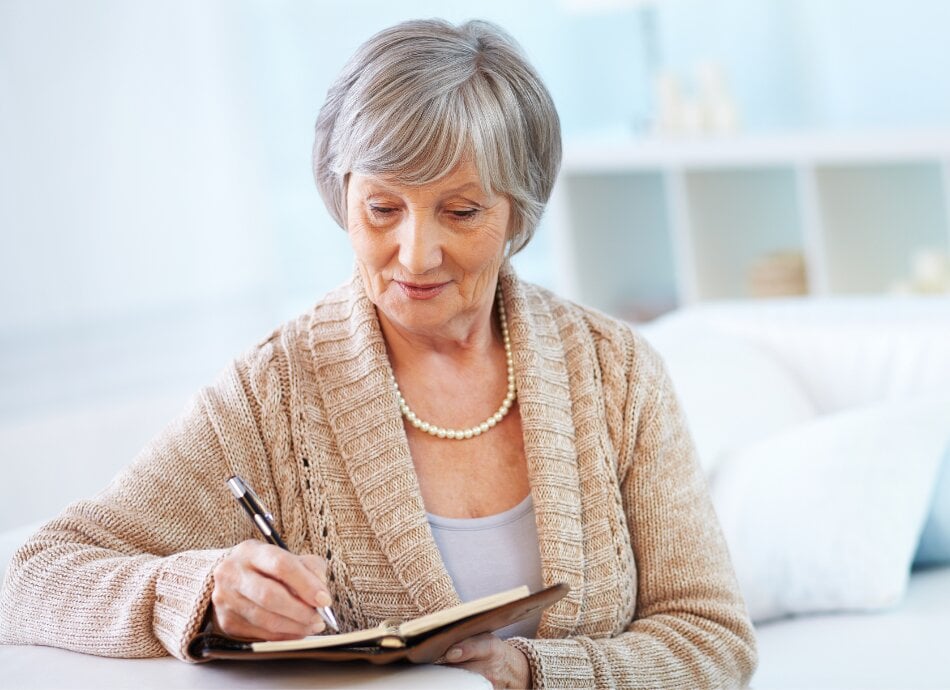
{"points": [[421, 640]]}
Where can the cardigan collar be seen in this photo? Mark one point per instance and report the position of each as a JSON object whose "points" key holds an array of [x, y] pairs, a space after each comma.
{"points": [[358, 397]]}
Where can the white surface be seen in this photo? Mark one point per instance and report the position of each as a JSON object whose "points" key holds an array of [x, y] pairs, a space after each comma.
{"points": [[899, 649], [591, 155], [826, 517], [25, 668], [841, 351], [733, 392]]}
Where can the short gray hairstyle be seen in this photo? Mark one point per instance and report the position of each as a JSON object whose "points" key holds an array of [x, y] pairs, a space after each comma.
{"points": [[419, 96]]}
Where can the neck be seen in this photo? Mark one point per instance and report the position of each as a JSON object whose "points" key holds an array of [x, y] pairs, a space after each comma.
{"points": [[473, 365], [469, 336]]}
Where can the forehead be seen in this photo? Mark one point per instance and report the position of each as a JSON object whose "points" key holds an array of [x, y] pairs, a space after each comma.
{"points": [[463, 177]]}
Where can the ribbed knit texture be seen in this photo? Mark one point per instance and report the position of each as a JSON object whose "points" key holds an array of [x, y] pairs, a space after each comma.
{"points": [[309, 418]]}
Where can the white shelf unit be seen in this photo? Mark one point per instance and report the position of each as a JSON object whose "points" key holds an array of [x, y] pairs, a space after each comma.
{"points": [[643, 226]]}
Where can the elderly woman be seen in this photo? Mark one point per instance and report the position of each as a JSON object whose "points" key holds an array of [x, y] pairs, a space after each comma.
{"points": [[432, 431]]}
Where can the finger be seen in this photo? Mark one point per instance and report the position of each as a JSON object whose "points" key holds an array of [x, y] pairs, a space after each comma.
{"points": [[244, 617], [274, 596], [317, 565], [289, 569], [474, 648], [274, 622], [238, 627]]}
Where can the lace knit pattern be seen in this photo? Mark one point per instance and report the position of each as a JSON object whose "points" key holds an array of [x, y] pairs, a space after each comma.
{"points": [[309, 418]]}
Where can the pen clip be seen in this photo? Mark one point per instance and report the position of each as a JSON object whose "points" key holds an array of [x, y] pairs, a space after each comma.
{"points": [[259, 504]]}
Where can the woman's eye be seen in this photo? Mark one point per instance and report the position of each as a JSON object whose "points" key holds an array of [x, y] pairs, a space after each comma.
{"points": [[464, 214], [382, 211]]}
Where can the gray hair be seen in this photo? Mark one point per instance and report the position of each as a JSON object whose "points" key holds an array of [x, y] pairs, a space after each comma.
{"points": [[418, 97]]}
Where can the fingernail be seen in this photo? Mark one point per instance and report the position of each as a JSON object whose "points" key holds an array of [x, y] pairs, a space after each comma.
{"points": [[319, 626], [323, 599], [454, 653]]}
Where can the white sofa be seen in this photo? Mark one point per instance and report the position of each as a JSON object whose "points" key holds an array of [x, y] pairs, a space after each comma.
{"points": [[797, 408], [746, 372]]}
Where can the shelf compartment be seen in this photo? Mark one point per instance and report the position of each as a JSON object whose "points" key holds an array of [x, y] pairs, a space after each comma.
{"points": [[875, 218], [736, 217], [620, 242]]}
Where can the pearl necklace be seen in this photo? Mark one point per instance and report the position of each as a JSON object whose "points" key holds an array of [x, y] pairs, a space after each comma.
{"points": [[479, 429]]}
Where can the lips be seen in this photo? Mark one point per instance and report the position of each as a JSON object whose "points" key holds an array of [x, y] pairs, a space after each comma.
{"points": [[420, 290]]}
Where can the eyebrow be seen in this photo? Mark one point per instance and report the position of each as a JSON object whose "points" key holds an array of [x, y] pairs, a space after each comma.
{"points": [[379, 184]]}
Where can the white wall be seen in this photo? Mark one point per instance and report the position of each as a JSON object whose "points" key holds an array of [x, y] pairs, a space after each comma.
{"points": [[128, 180], [157, 213]]}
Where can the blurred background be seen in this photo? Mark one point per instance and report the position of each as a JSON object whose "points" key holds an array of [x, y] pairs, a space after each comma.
{"points": [[158, 215]]}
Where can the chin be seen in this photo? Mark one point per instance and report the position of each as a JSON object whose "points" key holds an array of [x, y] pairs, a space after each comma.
{"points": [[407, 312]]}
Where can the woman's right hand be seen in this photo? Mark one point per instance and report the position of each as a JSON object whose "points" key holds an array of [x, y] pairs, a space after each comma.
{"points": [[264, 592]]}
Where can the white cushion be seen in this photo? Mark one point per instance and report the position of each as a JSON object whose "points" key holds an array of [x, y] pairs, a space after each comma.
{"points": [[731, 391], [826, 516], [842, 351]]}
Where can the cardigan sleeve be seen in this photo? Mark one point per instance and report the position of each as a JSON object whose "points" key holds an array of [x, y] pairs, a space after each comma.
{"points": [[691, 628], [128, 573]]}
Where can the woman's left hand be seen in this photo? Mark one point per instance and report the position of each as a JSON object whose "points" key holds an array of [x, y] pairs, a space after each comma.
{"points": [[501, 663]]}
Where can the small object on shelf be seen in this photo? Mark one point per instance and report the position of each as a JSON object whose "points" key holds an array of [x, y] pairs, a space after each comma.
{"points": [[669, 104], [720, 114], [778, 274], [930, 274], [708, 109]]}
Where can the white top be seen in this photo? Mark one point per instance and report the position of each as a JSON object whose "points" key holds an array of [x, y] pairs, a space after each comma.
{"points": [[490, 554]]}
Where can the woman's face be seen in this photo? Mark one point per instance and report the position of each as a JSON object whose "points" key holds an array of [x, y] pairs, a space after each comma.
{"points": [[429, 255]]}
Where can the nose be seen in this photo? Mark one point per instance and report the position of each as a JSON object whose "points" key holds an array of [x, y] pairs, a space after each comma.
{"points": [[420, 244]]}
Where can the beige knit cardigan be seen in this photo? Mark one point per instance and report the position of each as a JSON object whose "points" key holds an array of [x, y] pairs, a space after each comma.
{"points": [[309, 418]]}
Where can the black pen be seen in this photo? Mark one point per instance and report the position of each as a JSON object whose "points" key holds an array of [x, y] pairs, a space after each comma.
{"points": [[264, 521]]}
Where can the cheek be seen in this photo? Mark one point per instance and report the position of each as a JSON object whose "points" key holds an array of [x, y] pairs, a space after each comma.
{"points": [[370, 248], [485, 255], [484, 250]]}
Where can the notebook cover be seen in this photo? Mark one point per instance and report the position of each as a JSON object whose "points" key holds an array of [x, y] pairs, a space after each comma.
{"points": [[424, 650]]}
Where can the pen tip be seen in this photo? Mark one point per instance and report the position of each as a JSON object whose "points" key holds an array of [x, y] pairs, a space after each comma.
{"points": [[329, 618]]}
